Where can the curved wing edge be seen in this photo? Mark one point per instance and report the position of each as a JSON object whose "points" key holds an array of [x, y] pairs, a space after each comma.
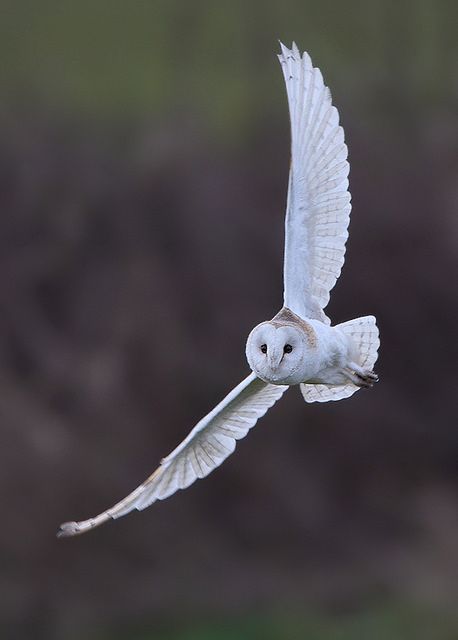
{"points": [[209, 443]]}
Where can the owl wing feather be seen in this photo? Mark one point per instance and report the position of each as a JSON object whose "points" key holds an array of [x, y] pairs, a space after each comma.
{"points": [[318, 206], [209, 443]]}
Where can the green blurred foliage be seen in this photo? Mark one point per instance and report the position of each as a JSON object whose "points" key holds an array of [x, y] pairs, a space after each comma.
{"points": [[389, 622], [117, 59]]}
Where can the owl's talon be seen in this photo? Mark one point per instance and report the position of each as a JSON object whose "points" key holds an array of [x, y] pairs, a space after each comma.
{"points": [[361, 377], [366, 379]]}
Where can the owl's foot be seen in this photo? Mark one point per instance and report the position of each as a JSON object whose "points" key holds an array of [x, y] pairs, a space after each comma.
{"points": [[361, 377]]}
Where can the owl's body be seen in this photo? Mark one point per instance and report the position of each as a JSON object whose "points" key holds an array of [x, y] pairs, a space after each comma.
{"points": [[290, 350], [298, 346]]}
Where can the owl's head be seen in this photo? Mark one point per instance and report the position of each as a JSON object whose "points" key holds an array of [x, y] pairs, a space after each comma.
{"points": [[277, 352]]}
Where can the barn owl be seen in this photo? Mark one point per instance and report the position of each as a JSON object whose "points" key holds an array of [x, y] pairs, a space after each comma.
{"points": [[298, 346]]}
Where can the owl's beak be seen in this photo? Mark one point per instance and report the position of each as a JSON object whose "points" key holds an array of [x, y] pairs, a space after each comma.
{"points": [[274, 357]]}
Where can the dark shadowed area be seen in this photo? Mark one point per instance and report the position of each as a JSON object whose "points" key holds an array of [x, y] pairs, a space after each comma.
{"points": [[144, 151]]}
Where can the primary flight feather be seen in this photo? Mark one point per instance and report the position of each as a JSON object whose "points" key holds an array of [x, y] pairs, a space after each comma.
{"points": [[298, 346]]}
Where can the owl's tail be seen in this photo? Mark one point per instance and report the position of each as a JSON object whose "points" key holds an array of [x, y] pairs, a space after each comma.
{"points": [[365, 336]]}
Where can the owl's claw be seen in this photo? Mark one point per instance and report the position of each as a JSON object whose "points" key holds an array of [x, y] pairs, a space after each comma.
{"points": [[366, 379], [361, 377]]}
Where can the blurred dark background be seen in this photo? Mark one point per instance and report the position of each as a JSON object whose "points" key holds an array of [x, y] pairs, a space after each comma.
{"points": [[144, 151]]}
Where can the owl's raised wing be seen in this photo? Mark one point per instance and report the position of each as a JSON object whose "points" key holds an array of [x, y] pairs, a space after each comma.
{"points": [[318, 207], [210, 442]]}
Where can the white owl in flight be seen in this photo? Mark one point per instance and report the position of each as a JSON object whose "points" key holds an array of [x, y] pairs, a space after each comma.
{"points": [[298, 346]]}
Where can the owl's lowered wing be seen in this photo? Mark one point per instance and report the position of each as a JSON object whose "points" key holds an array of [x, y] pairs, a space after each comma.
{"points": [[318, 207], [210, 442]]}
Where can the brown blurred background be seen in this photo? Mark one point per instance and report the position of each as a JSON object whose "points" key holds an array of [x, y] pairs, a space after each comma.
{"points": [[143, 172]]}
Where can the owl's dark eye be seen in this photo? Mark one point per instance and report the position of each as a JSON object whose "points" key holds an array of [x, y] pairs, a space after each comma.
{"points": [[264, 348], [287, 348]]}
